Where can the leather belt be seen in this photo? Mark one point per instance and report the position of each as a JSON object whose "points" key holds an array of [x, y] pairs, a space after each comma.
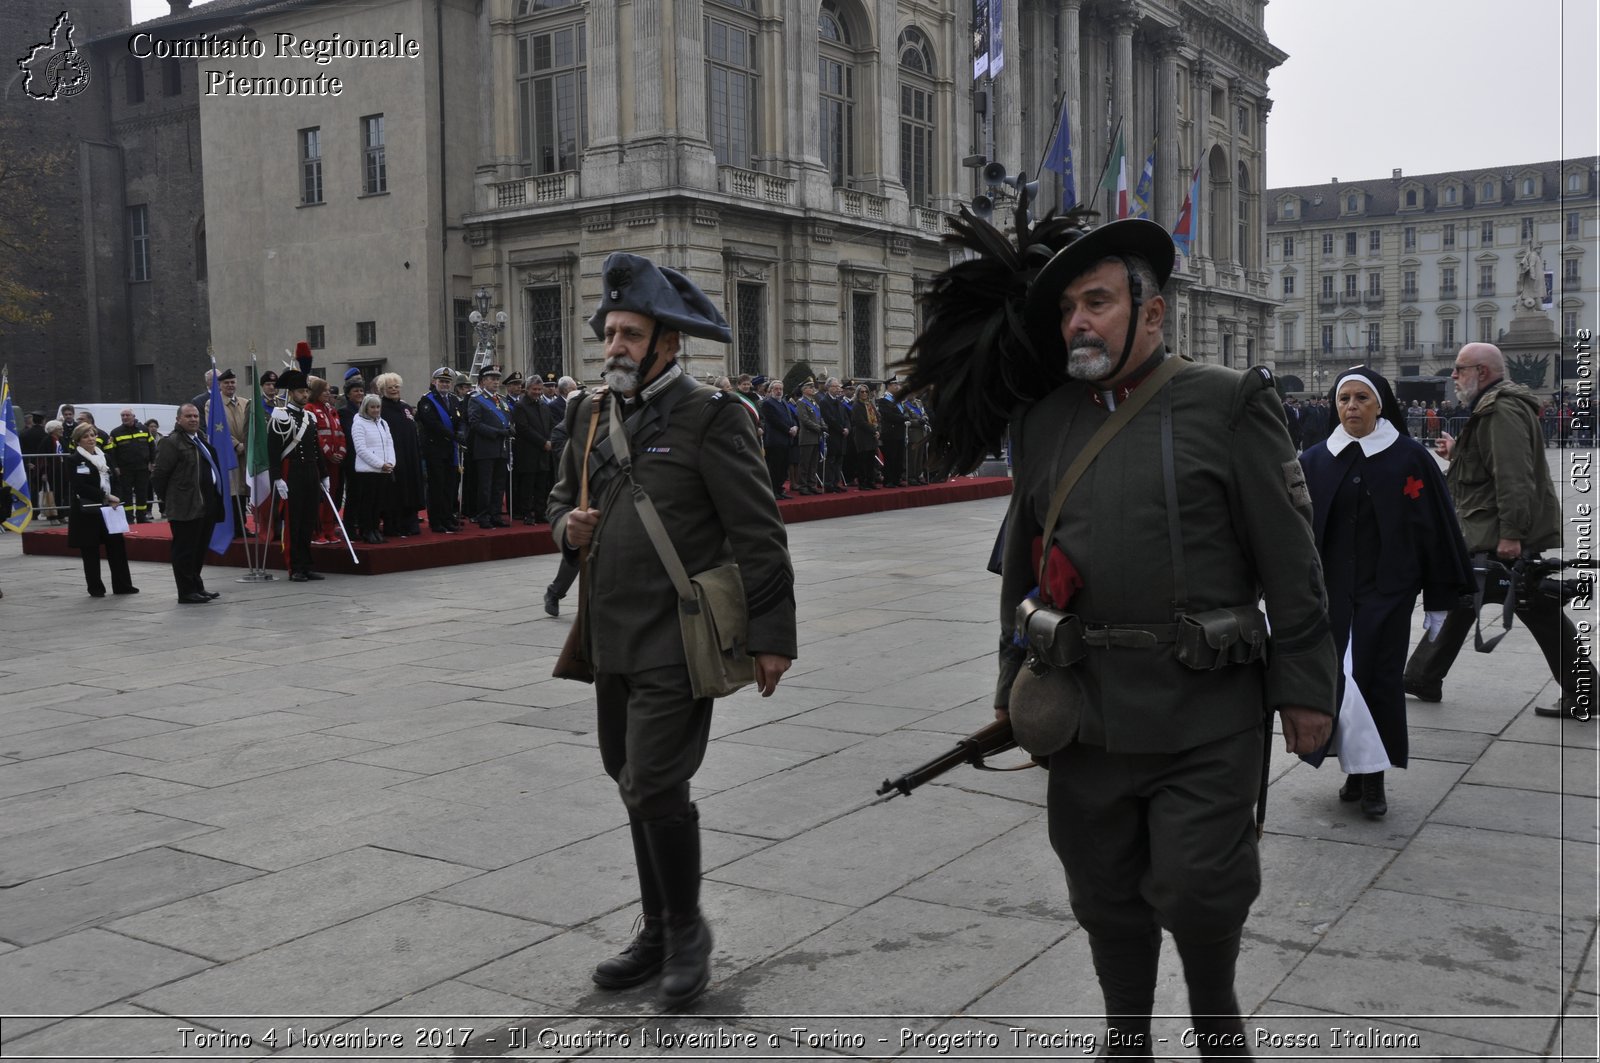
{"points": [[1129, 636]]}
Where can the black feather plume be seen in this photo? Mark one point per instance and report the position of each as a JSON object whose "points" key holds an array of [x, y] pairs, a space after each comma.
{"points": [[974, 356]]}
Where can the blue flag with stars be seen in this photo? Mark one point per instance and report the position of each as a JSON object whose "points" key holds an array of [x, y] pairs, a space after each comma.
{"points": [[216, 432]]}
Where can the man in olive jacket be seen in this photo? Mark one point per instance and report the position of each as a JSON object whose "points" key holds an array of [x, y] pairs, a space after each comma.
{"points": [[695, 454], [188, 481], [1151, 808], [1509, 510]]}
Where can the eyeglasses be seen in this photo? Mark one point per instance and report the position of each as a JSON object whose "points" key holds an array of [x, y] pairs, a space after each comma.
{"points": [[1457, 370]]}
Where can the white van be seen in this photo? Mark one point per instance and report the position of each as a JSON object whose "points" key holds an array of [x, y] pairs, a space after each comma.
{"points": [[108, 415]]}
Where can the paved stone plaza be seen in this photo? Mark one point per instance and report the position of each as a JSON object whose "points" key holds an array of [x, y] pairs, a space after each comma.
{"points": [[319, 811]]}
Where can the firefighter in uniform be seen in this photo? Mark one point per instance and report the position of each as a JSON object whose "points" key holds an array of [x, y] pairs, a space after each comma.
{"points": [[131, 452], [696, 455], [299, 473]]}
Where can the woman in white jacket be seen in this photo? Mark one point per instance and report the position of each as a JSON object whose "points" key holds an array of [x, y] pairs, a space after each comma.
{"points": [[374, 470]]}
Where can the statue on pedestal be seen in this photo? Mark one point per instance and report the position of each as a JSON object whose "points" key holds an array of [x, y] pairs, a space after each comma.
{"points": [[1530, 278]]}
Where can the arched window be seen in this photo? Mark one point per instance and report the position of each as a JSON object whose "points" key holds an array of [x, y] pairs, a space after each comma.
{"points": [[1247, 245], [836, 80], [731, 84], [1218, 223], [917, 142]]}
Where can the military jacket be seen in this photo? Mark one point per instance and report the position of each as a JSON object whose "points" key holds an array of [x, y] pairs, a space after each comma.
{"points": [[1244, 532], [696, 454]]}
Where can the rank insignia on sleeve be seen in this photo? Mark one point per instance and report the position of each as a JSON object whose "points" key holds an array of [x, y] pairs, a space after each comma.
{"points": [[1294, 479]]}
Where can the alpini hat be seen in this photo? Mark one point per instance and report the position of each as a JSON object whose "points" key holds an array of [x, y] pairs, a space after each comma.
{"points": [[632, 282], [1132, 237]]}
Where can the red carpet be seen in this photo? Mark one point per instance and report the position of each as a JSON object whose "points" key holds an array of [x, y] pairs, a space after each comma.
{"points": [[150, 542]]}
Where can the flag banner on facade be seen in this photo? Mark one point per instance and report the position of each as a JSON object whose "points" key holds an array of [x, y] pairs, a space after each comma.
{"points": [[1183, 230], [15, 496], [221, 440], [1059, 158], [1115, 179], [980, 38], [997, 47], [255, 457], [1140, 205]]}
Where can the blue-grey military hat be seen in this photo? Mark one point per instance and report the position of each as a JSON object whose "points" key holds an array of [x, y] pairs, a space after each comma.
{"points": [[633, 282]]}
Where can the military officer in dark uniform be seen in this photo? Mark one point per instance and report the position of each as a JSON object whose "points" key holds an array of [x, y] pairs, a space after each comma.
{"points": [[1151, 807], [299, 472], [439, 425], [489, 437], [1152, 802], [696, 455], [892, 434], [530, 425]]}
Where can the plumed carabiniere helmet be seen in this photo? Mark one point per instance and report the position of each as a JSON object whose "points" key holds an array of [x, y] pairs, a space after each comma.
{"points": [[633, 282]]}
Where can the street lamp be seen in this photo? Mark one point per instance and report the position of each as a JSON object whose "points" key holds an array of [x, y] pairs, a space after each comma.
{"points": [[486, 329]]}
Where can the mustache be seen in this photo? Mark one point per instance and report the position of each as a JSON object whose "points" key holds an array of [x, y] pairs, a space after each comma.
{"points": [[1083, 342], [621, 361]]}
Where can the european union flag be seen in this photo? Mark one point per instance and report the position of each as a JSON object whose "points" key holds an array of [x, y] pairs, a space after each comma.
{"points": [[216, 432], [1059, 158]]}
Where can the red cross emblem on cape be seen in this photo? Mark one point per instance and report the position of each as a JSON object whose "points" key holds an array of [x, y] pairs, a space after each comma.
{"points": [[1413, 488]]}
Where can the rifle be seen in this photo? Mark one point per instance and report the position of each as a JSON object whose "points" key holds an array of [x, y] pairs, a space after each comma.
{"points": [[973, 749]]}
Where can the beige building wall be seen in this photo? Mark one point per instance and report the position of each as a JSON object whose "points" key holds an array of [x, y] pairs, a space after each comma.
{"points": [[280, 266], [1400, 271]]}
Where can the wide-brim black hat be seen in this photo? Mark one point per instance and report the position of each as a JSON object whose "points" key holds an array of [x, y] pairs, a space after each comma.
{"points": [[1133, 237], [632, 282]]}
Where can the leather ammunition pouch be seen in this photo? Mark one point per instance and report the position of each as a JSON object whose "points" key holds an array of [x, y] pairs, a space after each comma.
{"points": [[1218, 638]]}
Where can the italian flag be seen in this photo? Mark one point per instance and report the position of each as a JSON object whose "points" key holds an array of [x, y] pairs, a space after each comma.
{"points": [[255, 460], [1116, 178]]}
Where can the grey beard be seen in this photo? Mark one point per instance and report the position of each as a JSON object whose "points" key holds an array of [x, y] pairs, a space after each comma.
{"points": [[1465, 395], [1088, 361], [623, 378]]}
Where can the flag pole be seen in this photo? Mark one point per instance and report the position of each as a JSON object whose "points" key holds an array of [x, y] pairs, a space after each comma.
{"points": [[1055, 130], [1105, 168], [256, 559]]}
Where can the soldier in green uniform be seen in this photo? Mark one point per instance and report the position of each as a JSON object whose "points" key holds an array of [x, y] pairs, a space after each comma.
{"points": [[1151, 808], [695, 453]]}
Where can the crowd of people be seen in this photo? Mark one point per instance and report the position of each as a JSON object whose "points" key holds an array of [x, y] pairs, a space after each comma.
{"points": [[1562, 424]]}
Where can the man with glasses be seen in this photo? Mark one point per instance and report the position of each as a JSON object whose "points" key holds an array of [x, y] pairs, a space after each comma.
{"points": [[1508, 510]]}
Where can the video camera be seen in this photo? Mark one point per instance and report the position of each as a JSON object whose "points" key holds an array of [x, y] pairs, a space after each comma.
{"points": [[1535, 580]]}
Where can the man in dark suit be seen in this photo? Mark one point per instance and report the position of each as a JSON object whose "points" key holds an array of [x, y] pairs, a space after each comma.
{"points": [[836, 416], [531, 426], [780, 428], [694, 455], [188, 480]]}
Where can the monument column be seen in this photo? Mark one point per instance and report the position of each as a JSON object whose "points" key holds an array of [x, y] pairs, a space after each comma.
{"points": [[1171, 174], [1072, 74]]}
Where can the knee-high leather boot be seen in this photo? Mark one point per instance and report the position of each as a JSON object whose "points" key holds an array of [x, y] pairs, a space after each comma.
{"points": [[675, 850], [1208, 969], [1126, 968], [643, 957]]}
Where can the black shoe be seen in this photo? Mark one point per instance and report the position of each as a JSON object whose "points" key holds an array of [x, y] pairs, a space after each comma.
{"points": [[297, 577], [1565, 707], [639, 962], [213, 595], [193, 598], [1373, 804], [498, 523], [552, 602], [780, 496], [1351, 790], [101, 593], [126, 590], [1423, 691], [529, 521], [307, 577], [686, 971]]}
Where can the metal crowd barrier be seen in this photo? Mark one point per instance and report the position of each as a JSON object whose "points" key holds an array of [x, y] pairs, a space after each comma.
{"points": [[47, 486]]}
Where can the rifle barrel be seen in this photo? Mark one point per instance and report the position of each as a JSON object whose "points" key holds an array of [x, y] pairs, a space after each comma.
{"points": [[985, 742]]}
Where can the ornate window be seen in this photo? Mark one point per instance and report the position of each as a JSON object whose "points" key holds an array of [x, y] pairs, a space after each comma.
{"points": [[863, 351], [752, 326], [917, 141], [552, 96], [731, 89], [836, 78], [546, 342]]}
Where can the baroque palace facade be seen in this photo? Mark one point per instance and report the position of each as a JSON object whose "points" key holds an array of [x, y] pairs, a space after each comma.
{"points": [[797, 158], [1400, 271]]}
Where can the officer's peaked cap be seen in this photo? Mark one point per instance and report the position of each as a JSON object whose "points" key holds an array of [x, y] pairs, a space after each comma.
{"points": [[632, 282]]}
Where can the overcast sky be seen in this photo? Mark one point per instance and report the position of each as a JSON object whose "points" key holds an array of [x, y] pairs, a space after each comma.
{"points": [[1423, 85]]}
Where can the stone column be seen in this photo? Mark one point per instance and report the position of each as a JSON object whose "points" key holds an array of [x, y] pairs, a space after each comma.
{"points": [[1124, 20], [1072, 73], [1235, 156], [603, 77], [1203, 73], [1171, 174], [1009, 91], [649, 88]]}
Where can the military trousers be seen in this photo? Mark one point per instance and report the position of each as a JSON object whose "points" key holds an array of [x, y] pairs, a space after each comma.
{"points": [[653, 733], [1165, 839]]}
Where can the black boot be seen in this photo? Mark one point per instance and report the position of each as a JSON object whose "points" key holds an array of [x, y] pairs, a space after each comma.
{"points": [[675, 852], [1208, 970], [637, 963], [1373, 804], [1351, 790], [642, 959], [1126, 968]]}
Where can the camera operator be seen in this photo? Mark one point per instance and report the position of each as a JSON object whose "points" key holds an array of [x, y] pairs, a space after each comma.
{"points": [[1509, 510]]}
